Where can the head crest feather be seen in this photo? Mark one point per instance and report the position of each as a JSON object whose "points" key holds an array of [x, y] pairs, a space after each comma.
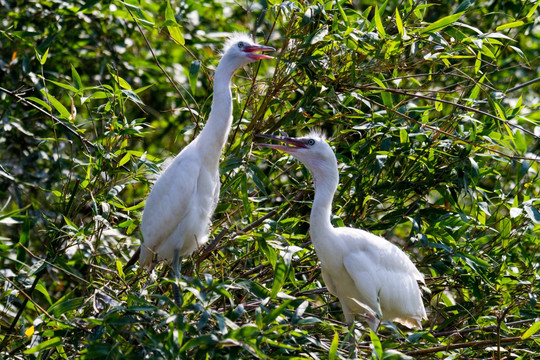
{"points": [[235, 38]]}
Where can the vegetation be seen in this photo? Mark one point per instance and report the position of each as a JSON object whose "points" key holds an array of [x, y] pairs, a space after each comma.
{"points": [[432, 108]]}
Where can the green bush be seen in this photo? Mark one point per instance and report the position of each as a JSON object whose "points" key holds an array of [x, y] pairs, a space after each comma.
{"points": [[432, 109]]}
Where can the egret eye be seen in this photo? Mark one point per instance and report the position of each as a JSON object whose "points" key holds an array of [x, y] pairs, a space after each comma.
{"points": [[311, 142], [241, 44]]}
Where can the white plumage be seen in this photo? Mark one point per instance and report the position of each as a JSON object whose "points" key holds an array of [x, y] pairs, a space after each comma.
{"points": [[367, 273], [178, 210]]}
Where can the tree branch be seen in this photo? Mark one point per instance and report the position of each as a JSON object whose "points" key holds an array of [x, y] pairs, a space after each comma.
{"points": [[464, 107]]}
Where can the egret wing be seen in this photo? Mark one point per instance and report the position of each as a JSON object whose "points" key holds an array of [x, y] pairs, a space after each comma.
{"points": [[169, 201], [382, 252], [361, 269]]}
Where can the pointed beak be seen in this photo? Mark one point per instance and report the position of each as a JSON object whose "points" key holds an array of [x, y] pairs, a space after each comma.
{"points": [[292, 144], [252, 51]]}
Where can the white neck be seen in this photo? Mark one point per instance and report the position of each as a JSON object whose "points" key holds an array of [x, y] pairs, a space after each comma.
{"points": [[325, 180], [214, 134]]}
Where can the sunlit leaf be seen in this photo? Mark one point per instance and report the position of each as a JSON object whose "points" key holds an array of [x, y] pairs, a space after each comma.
{"points": [[531, 331], [510, 25], [378, 22], [441, 23], [174, 29], [47, 344]]}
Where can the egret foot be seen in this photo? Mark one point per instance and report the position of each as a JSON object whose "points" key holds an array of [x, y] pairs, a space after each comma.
{"points": [[176, 267]]}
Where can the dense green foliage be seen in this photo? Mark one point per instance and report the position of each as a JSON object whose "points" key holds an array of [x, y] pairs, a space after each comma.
{"points": [[432, 109]]}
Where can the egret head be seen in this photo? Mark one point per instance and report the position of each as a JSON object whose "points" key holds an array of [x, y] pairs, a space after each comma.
{"points": [[241, 50], [312, 150]]}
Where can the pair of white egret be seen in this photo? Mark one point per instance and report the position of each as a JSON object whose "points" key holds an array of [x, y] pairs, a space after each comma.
{"points": [[367, 273]]}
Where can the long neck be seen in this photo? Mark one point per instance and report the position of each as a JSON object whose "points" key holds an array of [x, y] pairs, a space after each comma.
{"points": [[214, 134], [325, 181]]}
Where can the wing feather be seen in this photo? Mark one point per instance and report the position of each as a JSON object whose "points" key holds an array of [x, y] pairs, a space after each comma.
{"points": [[171, 196]]}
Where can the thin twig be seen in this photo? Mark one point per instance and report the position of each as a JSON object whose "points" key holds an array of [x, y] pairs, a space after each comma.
{"points": [[464, 107], [517, 87], [447, 133], [483, 329], [469, 344], [83, 141], [194, 118]]}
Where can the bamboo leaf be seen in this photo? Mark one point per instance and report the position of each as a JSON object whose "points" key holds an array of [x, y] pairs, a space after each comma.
{"points": [[531, 331], [377, 346], [123, 83], [399, 23], [333, 346], [280, 274], [47, 344], [378, 23], [193, 72], [174, 28], [441, 23], [64, 113], [42, 58], [76, 78], [510, 25], [532, 10]]}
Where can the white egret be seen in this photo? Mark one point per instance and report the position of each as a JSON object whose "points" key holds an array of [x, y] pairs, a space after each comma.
{"points": [[368, 274], [178, 210]]}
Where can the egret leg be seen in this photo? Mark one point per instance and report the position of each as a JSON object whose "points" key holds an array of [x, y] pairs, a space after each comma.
{"points": [[176, 267]]}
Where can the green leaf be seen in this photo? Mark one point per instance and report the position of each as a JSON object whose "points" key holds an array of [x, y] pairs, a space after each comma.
{"points": [[63, 306], [124, 159], [268, 319], [40, 102], [531, 331], [123, 83], [476, 89], [464, 5], [76, 78], [254, 288], [520, 141], [64, 113], [244, 193], [377, 346], [41, 288], [174, 28], [378, 23], [510, 25], [532, 9], [342, 13], [200, 341], [399, 23], [132, 96], [280, 274], [318, 35], [441, 23], [193, 72], [142, 17], [56, 341], [63, 86], [403, 136], [333, 346], [88, 4], [42, 58], [386, 96]]}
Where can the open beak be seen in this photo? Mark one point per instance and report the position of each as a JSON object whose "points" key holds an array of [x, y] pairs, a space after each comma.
{"points": [[291, 143], [252, 51]]}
